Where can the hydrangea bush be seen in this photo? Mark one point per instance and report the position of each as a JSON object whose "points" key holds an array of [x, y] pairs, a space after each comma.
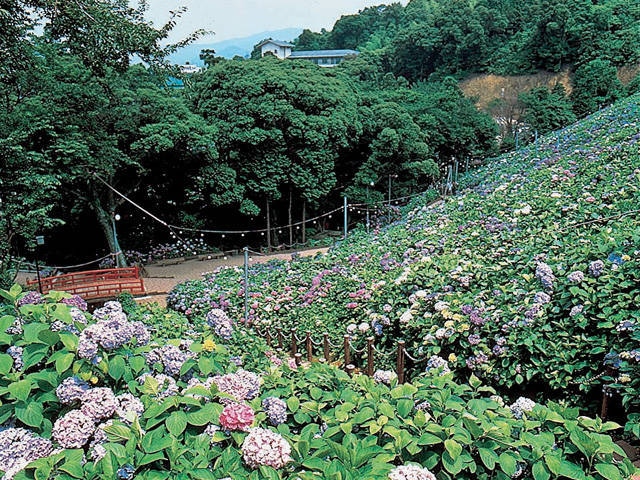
{"points": [[115, 416]]}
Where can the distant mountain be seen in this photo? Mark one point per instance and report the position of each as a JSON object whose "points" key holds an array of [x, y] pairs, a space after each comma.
{"points": [[232, 47]]}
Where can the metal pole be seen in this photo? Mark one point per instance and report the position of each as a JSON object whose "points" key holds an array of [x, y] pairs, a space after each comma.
{"points": [[389, 209], [345, 217], [116, 245], [246, 284], [38, 271], [517, 139], [367, 208]]}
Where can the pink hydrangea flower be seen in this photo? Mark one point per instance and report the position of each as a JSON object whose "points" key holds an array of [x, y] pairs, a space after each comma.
{"points": [[264, 447], [237, 416]]}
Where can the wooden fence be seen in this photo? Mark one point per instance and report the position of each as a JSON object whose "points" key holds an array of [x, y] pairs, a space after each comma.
{"points": [[403, 358], [303, 348], [95, 284]]}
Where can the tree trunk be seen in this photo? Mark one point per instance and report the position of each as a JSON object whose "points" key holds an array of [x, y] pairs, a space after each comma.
{"points": [[290, 218], [107, 223], [268, 225], [304, 222]]}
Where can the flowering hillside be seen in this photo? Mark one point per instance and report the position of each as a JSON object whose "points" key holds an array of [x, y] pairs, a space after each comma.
{"points": [[528, 278]]}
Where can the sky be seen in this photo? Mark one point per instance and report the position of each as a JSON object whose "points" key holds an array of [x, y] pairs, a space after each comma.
{"points": [[241, 18]]}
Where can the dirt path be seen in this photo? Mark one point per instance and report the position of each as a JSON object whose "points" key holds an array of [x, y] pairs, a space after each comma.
{"points": [[162, 277]]}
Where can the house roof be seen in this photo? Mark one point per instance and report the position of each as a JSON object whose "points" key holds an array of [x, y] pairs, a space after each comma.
{"points": [[322, 53], [275, 42]]}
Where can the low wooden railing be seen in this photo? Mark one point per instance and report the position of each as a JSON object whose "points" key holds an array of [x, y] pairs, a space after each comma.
{"points": [[95, 284], [346, 354]]}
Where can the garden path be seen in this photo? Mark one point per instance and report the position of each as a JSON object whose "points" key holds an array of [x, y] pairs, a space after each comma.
{"points": [[160, 278]]}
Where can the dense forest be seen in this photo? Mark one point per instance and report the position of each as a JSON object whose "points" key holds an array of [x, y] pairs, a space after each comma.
{"points": [[251, 144]]}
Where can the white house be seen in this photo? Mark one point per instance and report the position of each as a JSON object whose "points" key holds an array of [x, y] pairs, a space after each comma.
{"points": [[189, 69], [323, 58], [275, 47]]}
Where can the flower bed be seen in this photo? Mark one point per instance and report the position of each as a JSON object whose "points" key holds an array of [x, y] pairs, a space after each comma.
{"points": [[139, 406]]}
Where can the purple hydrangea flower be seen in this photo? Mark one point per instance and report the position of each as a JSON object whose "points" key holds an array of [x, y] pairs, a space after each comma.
{"points": [[411, 472], [75, 301], [73, 430], [577, 310], [16, 353], [521, 405], [71, 389], [19, 447], [596, 267], [575, 277], [545, 275], [31, 298], [384, 376], [242, 385], [128, 405], [221, 323], [474, 339], [541, 298], [170, 357], [437, 364], [98, 403], [276, 410]]}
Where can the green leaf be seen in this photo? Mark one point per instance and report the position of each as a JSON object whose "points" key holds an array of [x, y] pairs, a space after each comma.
{"points": [[204, 415], [293, 404], [156, 440], [147, 458], [31, 414], [452, 465], [73, 461], [404, 407], [508, 463], [453, 447], [474, 381], [6, 362], [571, 470], [49, 337], [429, 439], [206, 365], [540, 472], [269, 473], [608, 471], [64, 362], [489, 457], [116, 367], [69, 340], [177, 423], [21, 390]]}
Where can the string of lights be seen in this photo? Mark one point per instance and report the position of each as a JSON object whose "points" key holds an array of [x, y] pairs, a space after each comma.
{"points": [[178, 230]]}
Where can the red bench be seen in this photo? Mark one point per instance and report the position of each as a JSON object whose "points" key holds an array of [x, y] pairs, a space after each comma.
{"points": [[95, 284]]}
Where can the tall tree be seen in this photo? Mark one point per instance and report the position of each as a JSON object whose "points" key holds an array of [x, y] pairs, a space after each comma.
{"points": [[281, 124], [595, 85], [547, 110]]}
